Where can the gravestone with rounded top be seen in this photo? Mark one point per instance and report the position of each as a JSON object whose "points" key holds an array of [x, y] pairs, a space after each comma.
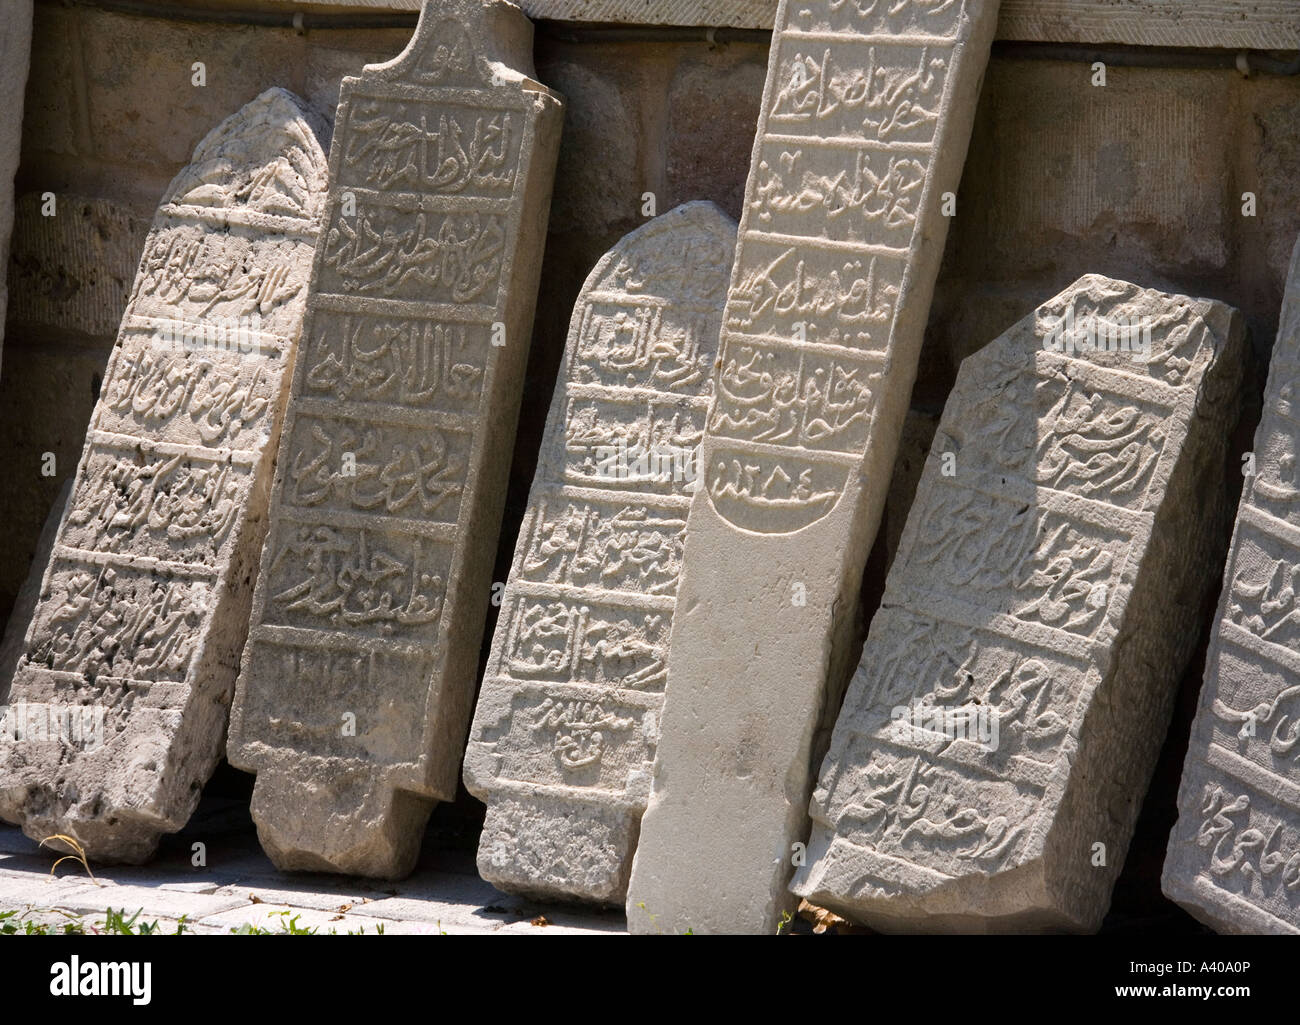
{"points": [[567, 721]]}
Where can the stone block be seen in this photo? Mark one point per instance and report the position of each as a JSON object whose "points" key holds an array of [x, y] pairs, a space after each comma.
{"points": [[357, 683], [567, 721], [993, 750], [130, 656]]}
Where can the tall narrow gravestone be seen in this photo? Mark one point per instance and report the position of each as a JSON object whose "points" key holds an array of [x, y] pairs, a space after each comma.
{"points": [[866, 116], [1015, 688], [567, 721], [118, 706], [357, 683], [1234, 856]]}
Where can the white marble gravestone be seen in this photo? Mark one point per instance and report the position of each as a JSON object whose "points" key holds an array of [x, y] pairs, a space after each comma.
{"points": [[864, 125]]}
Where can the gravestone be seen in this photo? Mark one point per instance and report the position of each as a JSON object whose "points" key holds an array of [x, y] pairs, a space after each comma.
{"points": [[358, 679], [864, 127], [1234, 856], [998, 737], [144, 605], [567, 720], [15, 58]]}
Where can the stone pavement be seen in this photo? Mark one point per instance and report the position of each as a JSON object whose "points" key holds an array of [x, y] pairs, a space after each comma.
{"points": [[239, 885]]}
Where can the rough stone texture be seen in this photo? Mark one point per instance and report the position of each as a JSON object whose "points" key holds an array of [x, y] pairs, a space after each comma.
{"points": [[1234, 856], [144, 602], [1044, 603], [15, 54], [1257, 24], [988, 281], [1021, 232], [47, 396], [565, 730], [865, 124], [11, 648], [73, 271], [713, 106], [600, 167], [357, 682]]}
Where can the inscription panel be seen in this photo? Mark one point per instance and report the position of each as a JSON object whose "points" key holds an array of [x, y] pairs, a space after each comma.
{"points": [[397, 361], [412, 471], [359, 581]]}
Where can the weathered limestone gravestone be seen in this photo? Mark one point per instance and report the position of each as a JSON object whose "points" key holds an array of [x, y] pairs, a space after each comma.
{"points": [[15, 58], [144, 605], [357, 683], [864, 127], [1234, 856], [997, 739], [567, 721]]}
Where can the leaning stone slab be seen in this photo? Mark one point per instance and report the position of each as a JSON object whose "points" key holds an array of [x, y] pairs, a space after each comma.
{"points": [[567, 720], [1234, 856], [358, 680], [144, 604], [15, 58], [865, 121], [998, 737]]}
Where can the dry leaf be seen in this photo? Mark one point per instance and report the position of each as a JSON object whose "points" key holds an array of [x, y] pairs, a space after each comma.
{"points": [[820, 917]]}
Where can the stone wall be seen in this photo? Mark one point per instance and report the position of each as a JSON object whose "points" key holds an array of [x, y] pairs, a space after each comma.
{"points": [[1141, 179]]}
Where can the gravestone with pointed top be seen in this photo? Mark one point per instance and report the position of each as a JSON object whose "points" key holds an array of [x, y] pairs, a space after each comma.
{"points": [[143, 608], [357, 683]]}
